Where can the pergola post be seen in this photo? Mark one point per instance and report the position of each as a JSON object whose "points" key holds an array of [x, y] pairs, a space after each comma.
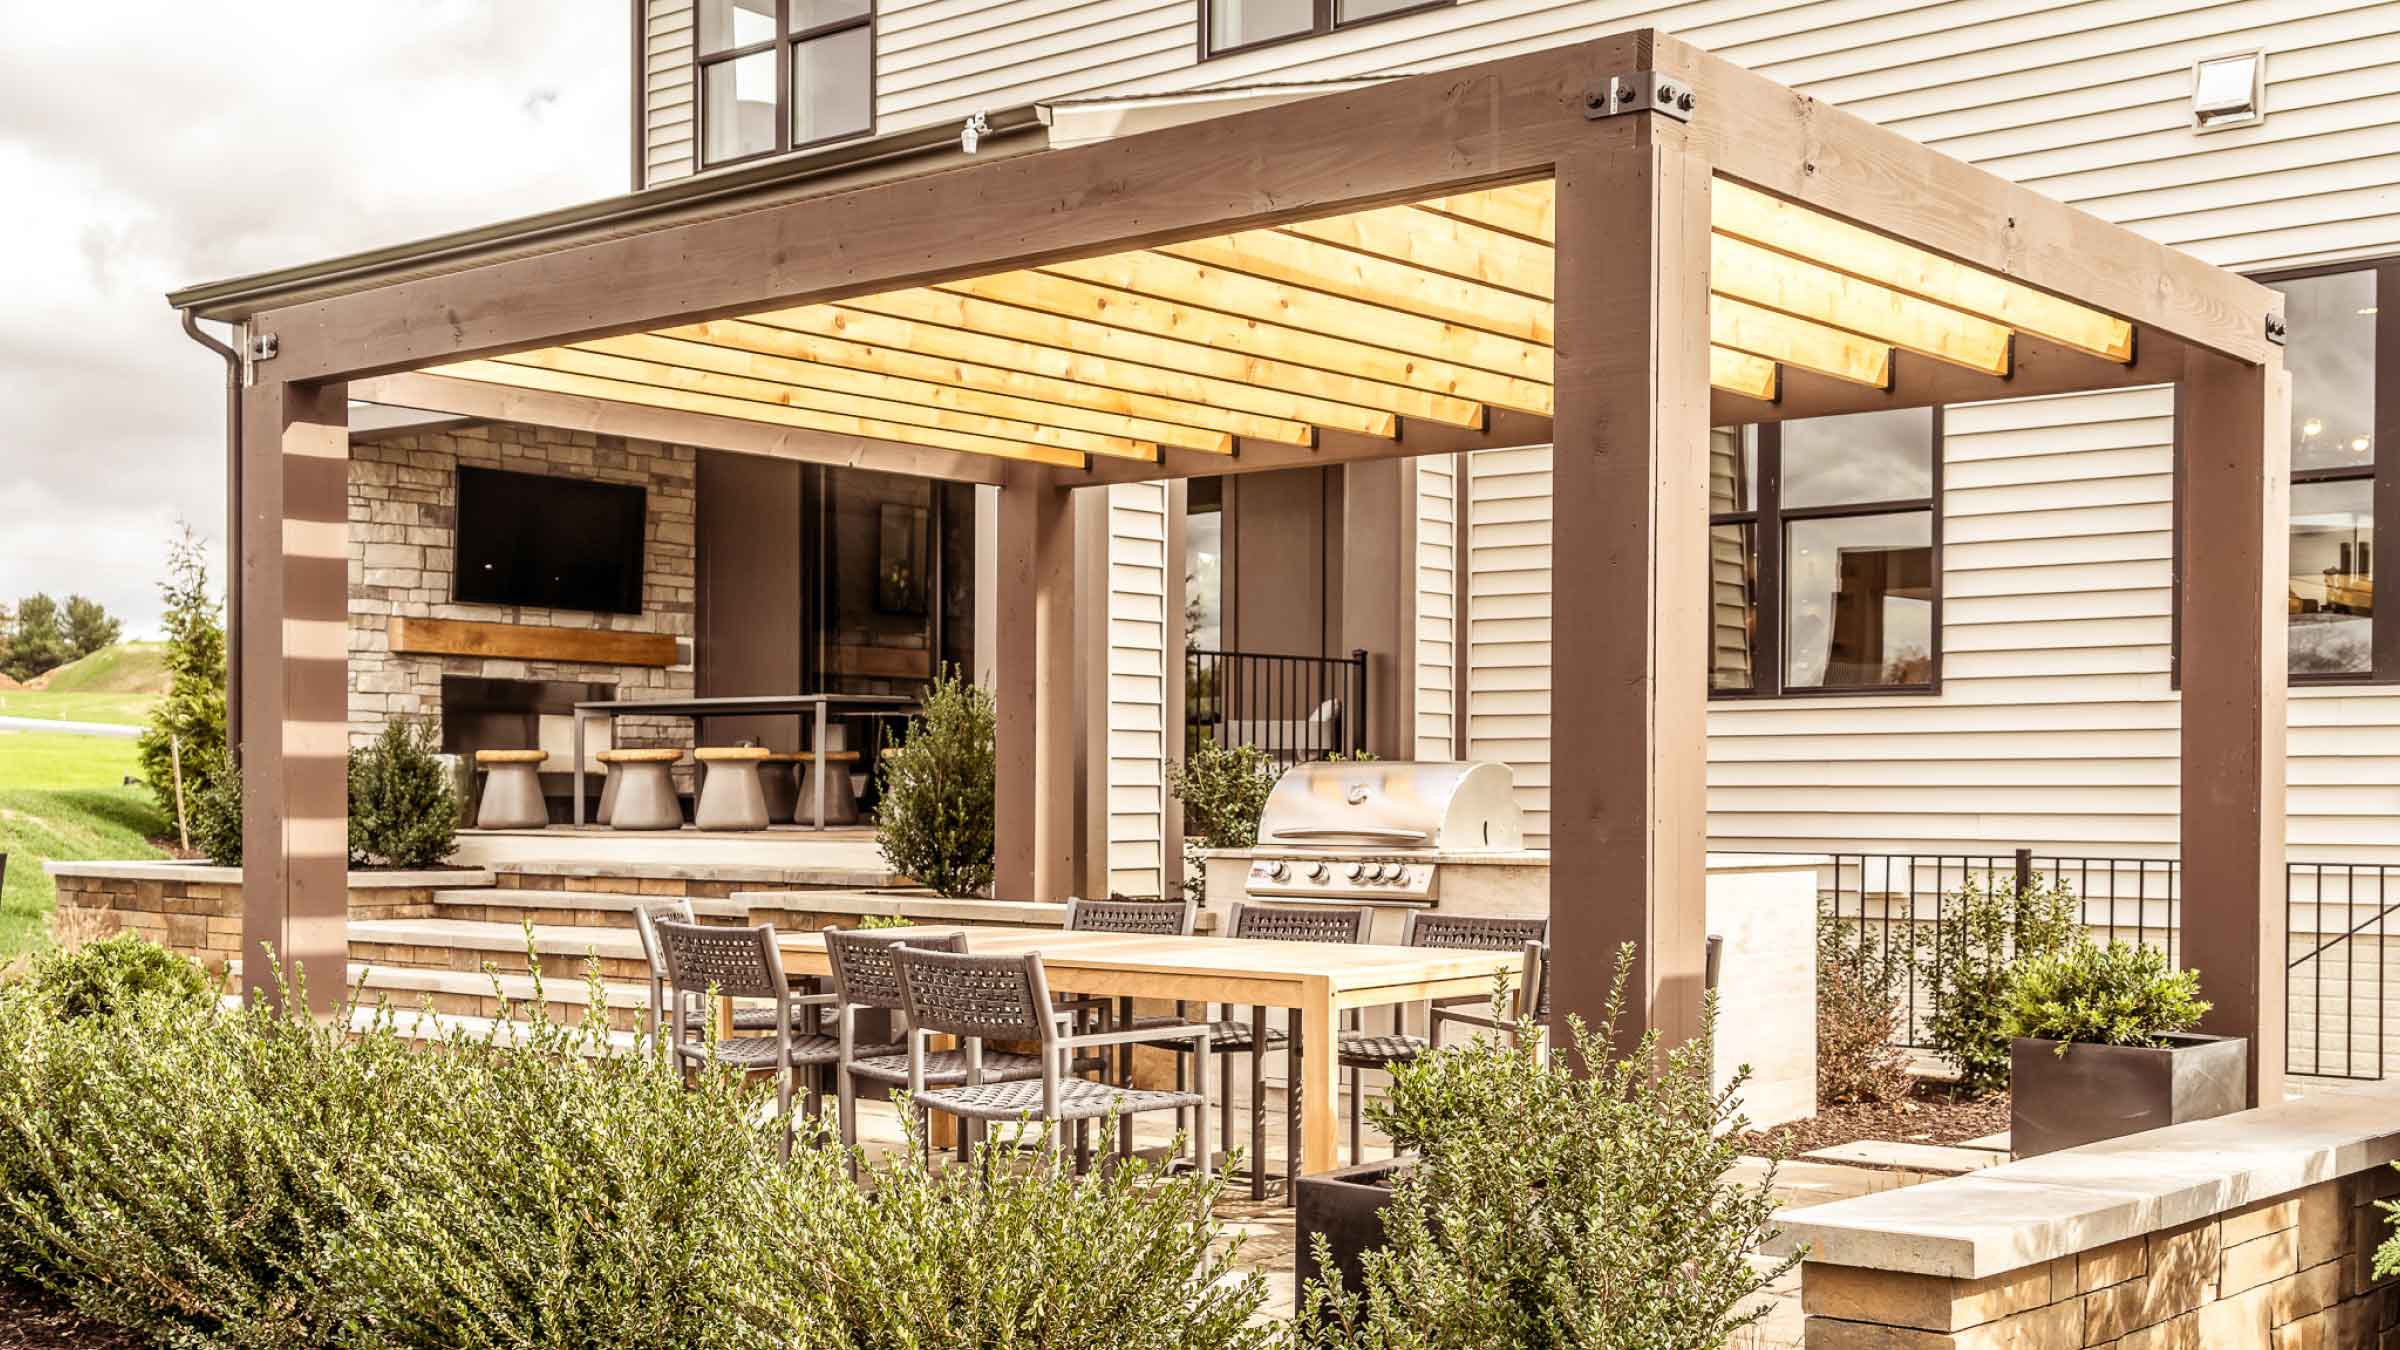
{"points": [[1034, 688], [295, 689], [2235, 481], [1629, 746]]}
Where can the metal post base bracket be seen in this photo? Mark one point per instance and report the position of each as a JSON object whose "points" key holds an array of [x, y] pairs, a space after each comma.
{"points": [[1640, 92]]}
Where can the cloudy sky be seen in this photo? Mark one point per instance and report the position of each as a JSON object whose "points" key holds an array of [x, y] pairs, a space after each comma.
{"points": [[147, 147]]}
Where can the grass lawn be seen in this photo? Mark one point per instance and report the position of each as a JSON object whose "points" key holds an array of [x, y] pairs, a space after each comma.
{"points": [[61, 797], [126, 668], [76, 706]]}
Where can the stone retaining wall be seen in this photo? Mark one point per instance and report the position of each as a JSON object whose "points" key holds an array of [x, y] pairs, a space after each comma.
{"points": [[199, 914], [2291, 1272]]}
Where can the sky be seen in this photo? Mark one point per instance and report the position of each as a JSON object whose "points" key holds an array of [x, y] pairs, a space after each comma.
{"points": [[151, 146]]}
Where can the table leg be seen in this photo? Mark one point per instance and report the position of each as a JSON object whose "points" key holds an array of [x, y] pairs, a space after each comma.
{"points": [[817, 814], [579, 768], [1317, 1078], [1258, 1103], [724, 1018]]}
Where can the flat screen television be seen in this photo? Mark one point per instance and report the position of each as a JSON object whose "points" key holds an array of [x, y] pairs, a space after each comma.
{"points": [[554, 543]]}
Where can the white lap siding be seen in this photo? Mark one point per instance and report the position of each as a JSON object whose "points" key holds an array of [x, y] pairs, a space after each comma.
{"points": [[1435, 735], [1139, 666]]}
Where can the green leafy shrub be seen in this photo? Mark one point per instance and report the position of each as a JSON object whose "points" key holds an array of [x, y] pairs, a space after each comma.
{"points": [[1023, 1253], [190, 719], [214, 1177], [1859, 1020], [934, 821], [216, 813], [2123, 993], [403, 809], [100, 979], [1550, 1208], [1223, 790], [1988, 925]]}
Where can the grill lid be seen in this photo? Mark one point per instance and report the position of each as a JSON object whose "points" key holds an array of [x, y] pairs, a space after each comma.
{"points": [[1393, 804]]}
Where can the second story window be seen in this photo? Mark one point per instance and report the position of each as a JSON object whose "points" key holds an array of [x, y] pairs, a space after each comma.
{"points": [[1824, 555], [2342, 403], [779, 75], [1232, 25]]}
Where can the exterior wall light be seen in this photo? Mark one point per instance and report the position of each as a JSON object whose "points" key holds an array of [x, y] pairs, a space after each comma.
{"points": [[2229, 91]]}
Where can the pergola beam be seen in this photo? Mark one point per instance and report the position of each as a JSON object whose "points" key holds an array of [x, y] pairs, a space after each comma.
{"points": [[610, 417]]}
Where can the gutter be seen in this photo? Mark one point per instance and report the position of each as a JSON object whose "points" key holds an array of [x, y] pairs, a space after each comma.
{"points": [[233, 529], [726, 192]]}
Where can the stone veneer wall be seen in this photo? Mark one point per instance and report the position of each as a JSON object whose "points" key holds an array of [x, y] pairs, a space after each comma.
{"points": [[2290, 1272], [200, 917], [403, 508]]}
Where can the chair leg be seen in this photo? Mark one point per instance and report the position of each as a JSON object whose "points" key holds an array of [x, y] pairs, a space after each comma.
{"points": [[1358, 1085], [1291, 1112]]}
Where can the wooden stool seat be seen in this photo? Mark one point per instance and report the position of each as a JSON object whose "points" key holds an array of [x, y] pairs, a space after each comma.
{"points": [[785, 756], [731, 754], [664, 756], [831, 756], [511, 756]]}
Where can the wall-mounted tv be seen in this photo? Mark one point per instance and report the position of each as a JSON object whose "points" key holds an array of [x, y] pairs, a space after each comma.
{"points": [[554, 543]]}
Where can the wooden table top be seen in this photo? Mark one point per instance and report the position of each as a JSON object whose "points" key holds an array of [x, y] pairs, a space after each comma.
{"points": [[1344, 966]]}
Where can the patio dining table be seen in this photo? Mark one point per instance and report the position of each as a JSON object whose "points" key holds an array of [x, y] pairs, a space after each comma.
{"points": [[1317, 981], [737, 706]]}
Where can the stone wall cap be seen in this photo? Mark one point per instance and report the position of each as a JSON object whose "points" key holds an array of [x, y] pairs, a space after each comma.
{"points": [[757, 874], [2024, 1213], [206, 874], [922, 905]]}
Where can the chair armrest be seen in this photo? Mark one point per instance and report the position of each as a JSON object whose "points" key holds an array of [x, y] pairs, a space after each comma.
{"points": [[1473, 1019], [1137, 1036]]}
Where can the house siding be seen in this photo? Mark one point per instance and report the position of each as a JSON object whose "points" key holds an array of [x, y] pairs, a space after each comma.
{"points": [[1137, 672], [670, 103]]}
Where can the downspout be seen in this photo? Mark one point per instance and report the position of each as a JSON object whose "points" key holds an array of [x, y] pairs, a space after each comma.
{"points": [[233, 529]]}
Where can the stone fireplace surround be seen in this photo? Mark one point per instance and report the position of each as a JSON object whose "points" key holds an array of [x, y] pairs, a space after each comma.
{"points": [[403, 508]]}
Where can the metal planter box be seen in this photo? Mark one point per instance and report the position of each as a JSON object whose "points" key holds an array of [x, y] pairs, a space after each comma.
{"points": [[2095, 1092], [1346, 1205]]}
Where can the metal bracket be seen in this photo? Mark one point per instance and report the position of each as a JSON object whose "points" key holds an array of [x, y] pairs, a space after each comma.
{"points": [[1640, 92], [2275, 329], [255, 347], [977, 127]]}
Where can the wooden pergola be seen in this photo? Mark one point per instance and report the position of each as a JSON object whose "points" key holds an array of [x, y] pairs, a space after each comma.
{"points": [[1607, 247]]}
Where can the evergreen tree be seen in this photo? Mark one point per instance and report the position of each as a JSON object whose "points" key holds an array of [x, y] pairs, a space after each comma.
{"points": [[89, 628], [193, 710], [37, 643]]}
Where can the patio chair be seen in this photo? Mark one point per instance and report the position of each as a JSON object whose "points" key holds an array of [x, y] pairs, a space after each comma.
{"points": [[711, 960], [1230, 1036], [866, 977], [1149, 918], [1531, 1000], [1007, 998], [1361, 1051], [645, 923]]}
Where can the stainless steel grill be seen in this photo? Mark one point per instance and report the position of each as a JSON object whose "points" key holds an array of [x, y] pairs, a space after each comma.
{"points": [[1379, 829]]}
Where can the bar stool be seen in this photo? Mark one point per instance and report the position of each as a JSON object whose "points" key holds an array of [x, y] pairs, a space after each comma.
{"points": [[730, 795], [778, 777], [639, 794], [512, 790], [841, 799]]}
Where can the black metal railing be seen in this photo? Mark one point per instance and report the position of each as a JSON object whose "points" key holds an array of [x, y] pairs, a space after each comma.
{"points": [[1294, 708], [1892, 907], [2337, 917]]}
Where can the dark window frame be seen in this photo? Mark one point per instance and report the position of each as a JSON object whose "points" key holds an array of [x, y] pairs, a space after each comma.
{"points": [[1770, 645], [2384, 417], [786, 46], [1325, 18]]}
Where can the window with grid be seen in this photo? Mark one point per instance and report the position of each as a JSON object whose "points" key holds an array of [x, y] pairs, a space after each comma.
{"points": [[2342, 404], [779, 75], [1825, 555], [1236, 25]]}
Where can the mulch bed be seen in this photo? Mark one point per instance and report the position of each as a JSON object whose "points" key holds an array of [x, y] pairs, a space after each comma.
{"points": [[33, 1320], [1932, 1114]]}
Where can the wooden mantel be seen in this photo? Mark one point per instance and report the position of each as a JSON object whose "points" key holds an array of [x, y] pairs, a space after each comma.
{"points": [[531, 642]]}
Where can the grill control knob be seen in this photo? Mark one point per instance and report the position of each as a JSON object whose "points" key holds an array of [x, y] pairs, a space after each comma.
{"points": [[1320, 872], [1359, 872], [1280, 872]]}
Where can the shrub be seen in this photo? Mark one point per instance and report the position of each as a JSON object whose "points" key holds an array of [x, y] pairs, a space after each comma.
{"points": [[2120, 994], [217, 813], [1223, 790], [1987, 926], [1023, 1253], [1555, 1208], [101, 979], [190, 719], [403, 809], [1858, 1017], [935, 818]]}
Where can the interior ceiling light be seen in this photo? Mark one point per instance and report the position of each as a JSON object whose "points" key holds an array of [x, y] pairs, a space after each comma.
{"points": [[2229, 91]]}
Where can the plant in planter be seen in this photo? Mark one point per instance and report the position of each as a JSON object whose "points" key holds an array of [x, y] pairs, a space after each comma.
{"points": [[1987, 926], [2097, 1051], [935, 818], [1553, 1207]]}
